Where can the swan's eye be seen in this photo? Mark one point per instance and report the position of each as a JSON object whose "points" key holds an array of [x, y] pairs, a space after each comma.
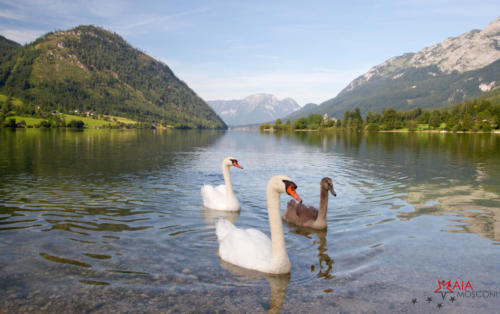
{"points": [[289, 185], [235, 163]]}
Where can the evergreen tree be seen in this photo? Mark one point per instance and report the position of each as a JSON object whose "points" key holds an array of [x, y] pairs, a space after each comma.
{"points": [[435, 119]]}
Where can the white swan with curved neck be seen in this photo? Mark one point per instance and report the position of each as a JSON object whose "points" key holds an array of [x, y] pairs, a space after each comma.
{"points": [[222, 197], [251, 248]]}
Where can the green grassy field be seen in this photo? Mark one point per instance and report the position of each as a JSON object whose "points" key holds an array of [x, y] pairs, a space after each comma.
{"points": [[30, 121], [93, 123], [103, 121], [89, 122]]}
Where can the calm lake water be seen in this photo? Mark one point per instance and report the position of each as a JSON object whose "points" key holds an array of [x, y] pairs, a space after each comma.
{"points": [[112, 221]]}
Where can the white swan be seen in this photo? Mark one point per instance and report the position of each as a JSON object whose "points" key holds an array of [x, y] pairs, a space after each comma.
{"points": [[222, 197], [252, 249]]}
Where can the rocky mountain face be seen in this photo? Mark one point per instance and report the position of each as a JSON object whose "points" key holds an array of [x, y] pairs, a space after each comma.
{"points": [[454, 70], [257, 108], [470, 51]]}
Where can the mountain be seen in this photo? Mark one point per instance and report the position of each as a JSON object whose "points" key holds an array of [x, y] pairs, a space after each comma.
{"points": [[302, 112], [454, 70], [256, 108], [7, 46], [90, 69]]}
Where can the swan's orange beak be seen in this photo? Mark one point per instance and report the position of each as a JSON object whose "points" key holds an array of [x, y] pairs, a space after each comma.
{"points": [[291, 191], [237, 165]]}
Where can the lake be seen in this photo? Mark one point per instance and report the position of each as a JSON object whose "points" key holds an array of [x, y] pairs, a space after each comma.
{"points": [[112, 221]]}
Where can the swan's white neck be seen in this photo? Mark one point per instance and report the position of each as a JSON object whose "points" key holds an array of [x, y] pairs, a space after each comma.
{"points": [[231, 200], [279, 258]]}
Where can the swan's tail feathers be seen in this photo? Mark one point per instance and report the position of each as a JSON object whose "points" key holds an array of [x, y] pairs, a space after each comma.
{"points": [[223, 227], [204, 189]]}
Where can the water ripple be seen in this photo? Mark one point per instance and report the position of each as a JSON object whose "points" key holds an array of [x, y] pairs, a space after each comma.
{"points": [[131, 217]]}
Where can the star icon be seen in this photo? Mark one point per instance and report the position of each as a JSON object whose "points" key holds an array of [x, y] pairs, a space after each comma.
{"points": [[414, 301], [440, 305], [443, 284], [452, 299], [429, 300]]}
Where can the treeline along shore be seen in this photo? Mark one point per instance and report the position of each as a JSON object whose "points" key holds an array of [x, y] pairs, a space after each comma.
{"points": [[477, 115]]}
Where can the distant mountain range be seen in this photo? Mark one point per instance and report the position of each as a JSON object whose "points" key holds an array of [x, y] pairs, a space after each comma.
{"points": [[90, 69], [454, 70], [256, 108]]}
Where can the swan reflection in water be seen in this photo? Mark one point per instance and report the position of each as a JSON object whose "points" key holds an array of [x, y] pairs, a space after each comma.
{"points": [[210, 216], [325, 261], [277, 283]]}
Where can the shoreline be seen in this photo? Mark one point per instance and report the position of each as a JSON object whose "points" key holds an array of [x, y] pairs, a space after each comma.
{"points": [[385, 131]]}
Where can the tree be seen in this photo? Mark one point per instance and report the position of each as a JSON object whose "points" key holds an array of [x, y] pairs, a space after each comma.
{"points": [[484, 116], [345, 122], [370, 117], [435, 119], [265, 126], [412, 125], [415, 113], [356, 115], [45, 124], [314, 121], [328, 123], [424, 117], [11, 123], [301, 123], [467, 122], [79, 124], [389, 118], [371, 127], [356, 119]]}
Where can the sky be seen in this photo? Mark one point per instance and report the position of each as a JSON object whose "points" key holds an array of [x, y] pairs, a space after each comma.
{"points": [[306, 50]]}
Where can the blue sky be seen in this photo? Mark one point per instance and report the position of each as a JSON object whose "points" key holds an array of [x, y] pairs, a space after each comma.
{"points": [[307, 50]]}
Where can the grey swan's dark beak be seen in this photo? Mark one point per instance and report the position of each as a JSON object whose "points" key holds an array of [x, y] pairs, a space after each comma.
{"points": [[333, 192]]}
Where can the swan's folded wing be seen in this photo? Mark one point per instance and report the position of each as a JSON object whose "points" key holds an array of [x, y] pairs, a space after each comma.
{"points": [[305, 212], [258, 236], [212, 197], [248, 248], [221, 189]]}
